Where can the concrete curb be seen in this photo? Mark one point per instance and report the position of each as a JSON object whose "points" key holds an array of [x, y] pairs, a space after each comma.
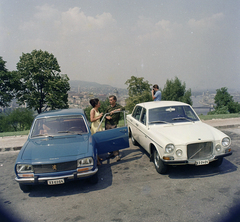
{"points": [[11, 149]]}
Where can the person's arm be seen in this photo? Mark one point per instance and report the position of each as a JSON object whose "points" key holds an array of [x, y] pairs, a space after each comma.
{"points": [[153, 97], [92, 116]]}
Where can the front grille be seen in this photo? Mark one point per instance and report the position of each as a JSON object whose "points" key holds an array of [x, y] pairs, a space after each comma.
{"points": [[50, 168], [200, 150]]}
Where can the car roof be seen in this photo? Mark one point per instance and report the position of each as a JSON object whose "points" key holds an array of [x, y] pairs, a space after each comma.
{"points": [[61, 112], [156, 104]]}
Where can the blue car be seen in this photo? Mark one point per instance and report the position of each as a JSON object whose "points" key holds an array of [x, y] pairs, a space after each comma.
{"points": [[60, 148]]}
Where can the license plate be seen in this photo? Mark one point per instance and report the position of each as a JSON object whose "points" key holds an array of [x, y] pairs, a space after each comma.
{"points": [[55, 182], [201, 162]]}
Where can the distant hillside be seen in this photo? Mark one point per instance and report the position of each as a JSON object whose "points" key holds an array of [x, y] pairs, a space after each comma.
{"points": [[79, 83], [84, 86]]}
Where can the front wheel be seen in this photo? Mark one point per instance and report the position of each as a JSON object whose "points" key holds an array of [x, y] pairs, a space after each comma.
{"points": [[93, 179], [159, 165], [217, 162], [25, 188]]}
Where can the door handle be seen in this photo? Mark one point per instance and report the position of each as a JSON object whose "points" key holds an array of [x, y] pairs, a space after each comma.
{"points": [[136, 124]]}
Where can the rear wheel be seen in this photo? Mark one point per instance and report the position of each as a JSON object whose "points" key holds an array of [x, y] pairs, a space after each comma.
{"points": [[25, 188], [159, 165], [217, 162]]}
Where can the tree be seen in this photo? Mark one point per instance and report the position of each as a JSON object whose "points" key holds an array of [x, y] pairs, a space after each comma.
{"points": [[138, 91], [17, 120], [41, 85], [175, 90], [7, 83], [224, 99]]}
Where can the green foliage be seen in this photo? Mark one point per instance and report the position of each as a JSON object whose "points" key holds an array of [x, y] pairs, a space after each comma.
{"points": [[41, 85], [17, 120], [175, 90], [224, 101], [7, 84], [138, 91], [220, 110]]}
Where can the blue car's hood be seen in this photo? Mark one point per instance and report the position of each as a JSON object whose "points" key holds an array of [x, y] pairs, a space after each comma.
{"points": [[59, 147]]}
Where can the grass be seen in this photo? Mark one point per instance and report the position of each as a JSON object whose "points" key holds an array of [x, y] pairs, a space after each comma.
{"points": [[121, 123], [16, 133], [219, 116]]}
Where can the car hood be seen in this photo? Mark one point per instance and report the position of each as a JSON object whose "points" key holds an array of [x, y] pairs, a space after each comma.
{"points": [[55, 147], [186, 133]]}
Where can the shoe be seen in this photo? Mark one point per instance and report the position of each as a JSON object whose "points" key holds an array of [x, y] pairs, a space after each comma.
{"points": [[110, 155], [117, 158]]}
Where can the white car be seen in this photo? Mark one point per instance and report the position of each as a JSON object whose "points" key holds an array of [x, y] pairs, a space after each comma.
{"points": [[172, 133]]}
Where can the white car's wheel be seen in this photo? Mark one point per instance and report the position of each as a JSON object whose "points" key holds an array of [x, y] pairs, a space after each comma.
{"points": [[134, 142], [159, 165]]}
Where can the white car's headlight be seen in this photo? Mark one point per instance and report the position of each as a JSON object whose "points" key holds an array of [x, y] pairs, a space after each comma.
{"points": [[88, 161], [24, 168], [226, 142], [179, 152], [218, 147], [169, 148]]}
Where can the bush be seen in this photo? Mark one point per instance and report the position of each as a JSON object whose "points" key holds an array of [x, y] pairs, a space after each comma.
{"points": [[220, 110], [17, 120]]}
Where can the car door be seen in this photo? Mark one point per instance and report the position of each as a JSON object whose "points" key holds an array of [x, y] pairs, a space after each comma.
{"points": [[134, 120], [112, 139], [143, 130]]}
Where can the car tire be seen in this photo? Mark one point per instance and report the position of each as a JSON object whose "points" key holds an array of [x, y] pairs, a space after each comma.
{"points": [[93, 179], [158, 163], [25, 188], [217, 162]]}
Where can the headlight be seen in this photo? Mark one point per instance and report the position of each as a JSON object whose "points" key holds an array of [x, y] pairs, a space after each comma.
{"points": [[179, 153], [88, 161], [24, 168], [169, 148], [226, 142], [218, 148]]}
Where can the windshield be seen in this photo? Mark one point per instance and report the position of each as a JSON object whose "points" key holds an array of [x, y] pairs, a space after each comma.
{"points": [[59, 125], [172, 114]]}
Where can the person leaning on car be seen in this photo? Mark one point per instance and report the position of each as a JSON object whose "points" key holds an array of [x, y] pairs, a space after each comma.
{"points": [[112, 120], [156, 93]]}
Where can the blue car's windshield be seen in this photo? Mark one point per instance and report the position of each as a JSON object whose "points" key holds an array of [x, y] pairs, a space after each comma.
{"points": [[172, 114], [52, 126]]}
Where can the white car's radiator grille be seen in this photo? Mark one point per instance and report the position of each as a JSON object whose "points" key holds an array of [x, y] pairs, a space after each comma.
{"points": [[200, 150]]}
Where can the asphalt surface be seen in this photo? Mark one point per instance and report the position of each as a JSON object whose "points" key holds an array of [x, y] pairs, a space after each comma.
{"points": [[13, 143]]}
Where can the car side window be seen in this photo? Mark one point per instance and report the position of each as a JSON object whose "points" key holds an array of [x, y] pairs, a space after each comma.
{"points": [[143, 116], [137, 112]]}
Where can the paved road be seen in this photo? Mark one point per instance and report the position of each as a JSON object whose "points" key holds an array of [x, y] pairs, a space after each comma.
{"points": [[130, 190]]}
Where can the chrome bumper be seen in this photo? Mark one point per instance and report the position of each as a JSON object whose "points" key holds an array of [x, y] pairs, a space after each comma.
{"points": [[74, 176], [184, 162]]}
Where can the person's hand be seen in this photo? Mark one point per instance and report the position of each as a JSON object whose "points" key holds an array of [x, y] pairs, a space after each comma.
{"points": [[108, 117]]}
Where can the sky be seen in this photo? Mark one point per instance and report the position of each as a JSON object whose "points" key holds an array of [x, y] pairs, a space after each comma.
{"points": [[108, 41]]}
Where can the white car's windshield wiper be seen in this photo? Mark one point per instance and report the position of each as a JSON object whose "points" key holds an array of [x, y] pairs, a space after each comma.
{"points": [[182, 118], [158, 121]]}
